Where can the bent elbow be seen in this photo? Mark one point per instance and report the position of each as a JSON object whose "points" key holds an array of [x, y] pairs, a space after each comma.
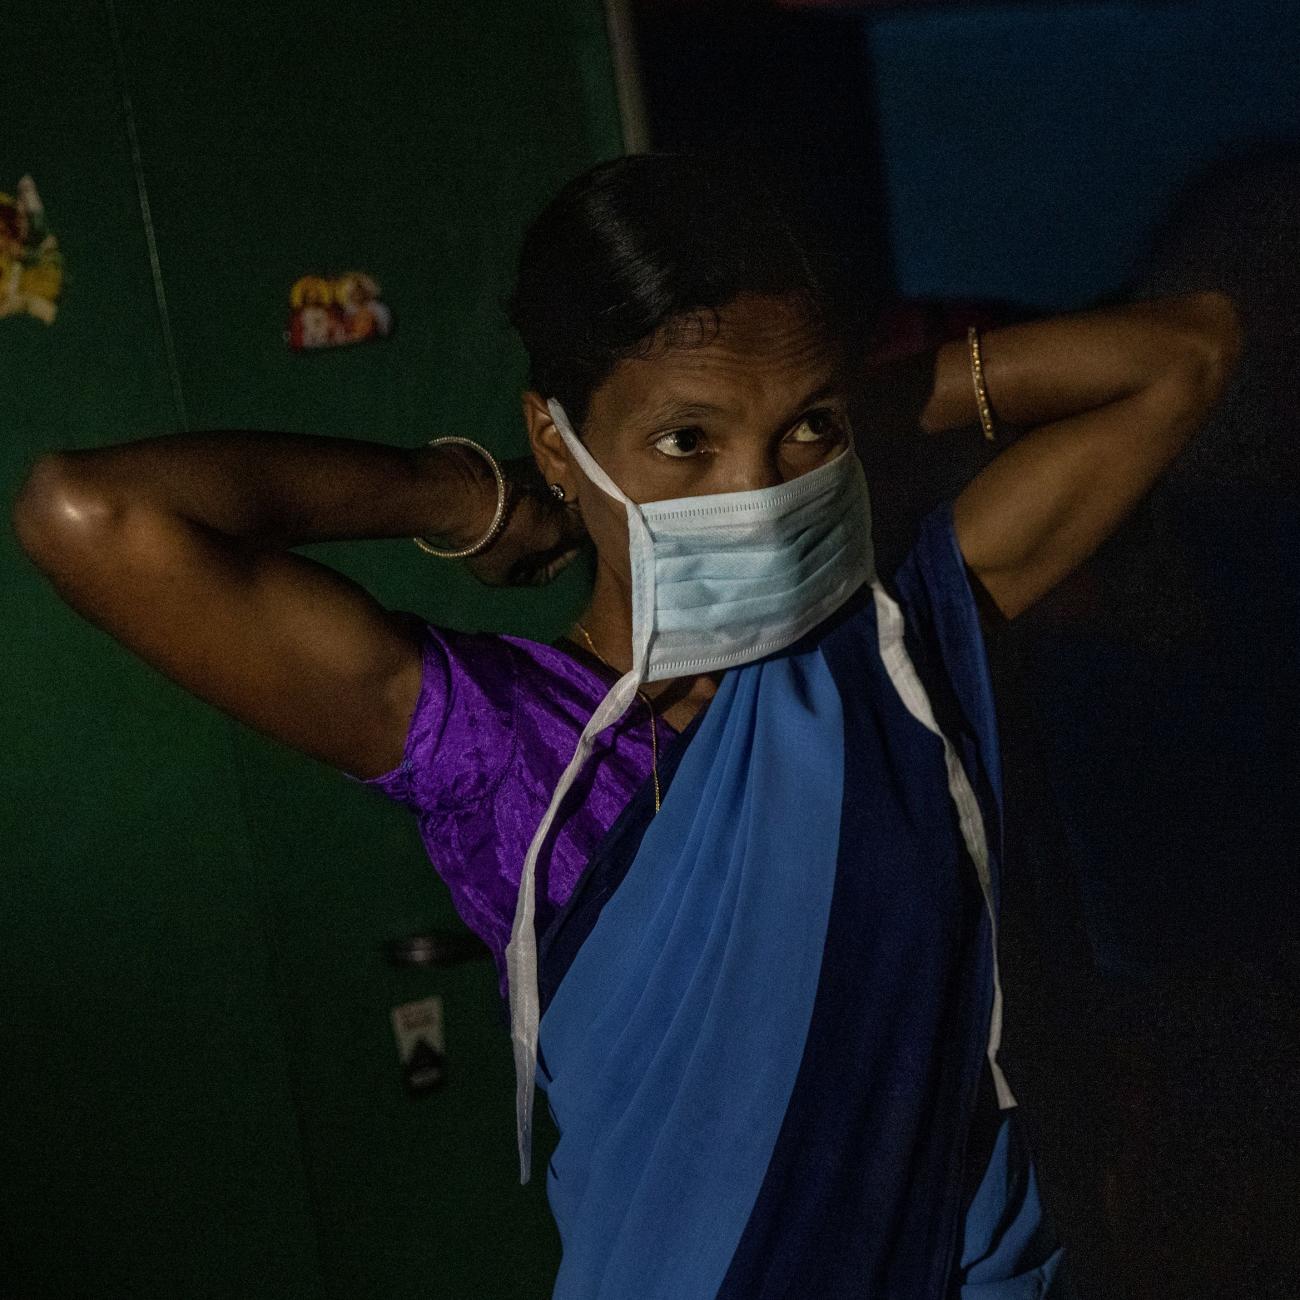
{"points": [[1218, 343], [51, 508]]}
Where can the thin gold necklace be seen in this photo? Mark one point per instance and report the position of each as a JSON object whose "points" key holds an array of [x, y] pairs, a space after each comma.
{"points": [[654, 739]]}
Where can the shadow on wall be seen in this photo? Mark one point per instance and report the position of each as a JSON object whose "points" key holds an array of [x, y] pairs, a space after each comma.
{"points": [[793, 90], [1165, 710]]}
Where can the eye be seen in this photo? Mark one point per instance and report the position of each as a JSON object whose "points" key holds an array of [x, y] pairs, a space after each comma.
{"points": [[820, 425], [680, 444]]}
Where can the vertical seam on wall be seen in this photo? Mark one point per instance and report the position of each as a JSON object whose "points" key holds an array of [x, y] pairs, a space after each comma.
{"points": [[627, 76], [151, 241], [251, 850]]}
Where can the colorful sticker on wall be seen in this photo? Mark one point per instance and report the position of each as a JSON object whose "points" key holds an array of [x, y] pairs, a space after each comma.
{"points": [[31, 266], [332, 313]]}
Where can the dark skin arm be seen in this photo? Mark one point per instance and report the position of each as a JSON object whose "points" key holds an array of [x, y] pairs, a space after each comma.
{"points": [[1110, 396], [179, 548]]}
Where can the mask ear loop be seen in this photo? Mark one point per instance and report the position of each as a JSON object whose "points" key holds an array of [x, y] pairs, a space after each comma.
{"points": [[521, 951], [640, 543]]}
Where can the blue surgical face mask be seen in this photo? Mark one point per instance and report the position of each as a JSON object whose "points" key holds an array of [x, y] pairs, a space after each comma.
{"points": [[717, 581]]}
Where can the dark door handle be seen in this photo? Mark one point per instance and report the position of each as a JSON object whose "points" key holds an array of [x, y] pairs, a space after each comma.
{"points": [[437, 948]]}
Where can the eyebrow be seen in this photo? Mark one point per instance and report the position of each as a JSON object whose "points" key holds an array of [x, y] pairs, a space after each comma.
{"points": [[677, 408]]}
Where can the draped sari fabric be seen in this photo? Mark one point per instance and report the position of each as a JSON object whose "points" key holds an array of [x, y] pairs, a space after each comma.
{"points": [[765, 1010]]}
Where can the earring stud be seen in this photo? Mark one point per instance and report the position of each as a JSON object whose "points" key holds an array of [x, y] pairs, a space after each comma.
{"points": [[557, 491]]}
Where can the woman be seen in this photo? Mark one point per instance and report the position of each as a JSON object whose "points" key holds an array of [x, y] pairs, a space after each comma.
{"points": [[734, 840]]}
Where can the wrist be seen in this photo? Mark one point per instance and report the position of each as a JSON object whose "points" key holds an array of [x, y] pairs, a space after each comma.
{"points": [[950, 403], [461, 492]]}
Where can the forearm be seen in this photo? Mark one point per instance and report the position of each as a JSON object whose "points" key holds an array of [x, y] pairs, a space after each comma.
{"points": [[1045, 370], [278, 489]]}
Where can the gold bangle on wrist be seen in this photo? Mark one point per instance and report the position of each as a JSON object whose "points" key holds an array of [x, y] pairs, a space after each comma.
{"points": [[497, 519], [981, 393]]}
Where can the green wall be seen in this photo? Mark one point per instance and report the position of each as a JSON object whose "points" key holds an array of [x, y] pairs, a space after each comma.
{"points": [[201, 1092]]}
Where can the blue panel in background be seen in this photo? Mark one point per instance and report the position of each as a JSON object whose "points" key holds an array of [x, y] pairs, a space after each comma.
{"points": [[1029, 151]]}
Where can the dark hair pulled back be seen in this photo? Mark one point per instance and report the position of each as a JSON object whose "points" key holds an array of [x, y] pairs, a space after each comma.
{"points": [[662, 241]]}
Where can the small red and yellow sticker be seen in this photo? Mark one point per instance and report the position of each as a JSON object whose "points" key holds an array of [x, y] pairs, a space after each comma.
{"points": [[31, 266], [331, 313]]}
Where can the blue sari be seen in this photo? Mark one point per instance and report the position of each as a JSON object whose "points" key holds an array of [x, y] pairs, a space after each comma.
{"points": [[767, 1010]]}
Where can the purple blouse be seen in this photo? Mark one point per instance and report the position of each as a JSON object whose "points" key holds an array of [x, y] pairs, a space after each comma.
{"points": [[495, 724]]}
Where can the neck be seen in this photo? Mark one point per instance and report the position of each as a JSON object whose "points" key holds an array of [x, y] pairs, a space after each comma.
{"points": [[608, 622]]}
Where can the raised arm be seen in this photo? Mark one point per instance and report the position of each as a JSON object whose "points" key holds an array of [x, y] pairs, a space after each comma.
{"points": [[1113, 394], [1104, 399], [178, 547]]}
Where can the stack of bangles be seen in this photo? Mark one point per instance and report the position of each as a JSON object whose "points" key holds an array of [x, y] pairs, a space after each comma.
{"points": [[498, 519]]}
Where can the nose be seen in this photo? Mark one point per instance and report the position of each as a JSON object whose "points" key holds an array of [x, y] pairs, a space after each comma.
{"points": [[756, 468]]}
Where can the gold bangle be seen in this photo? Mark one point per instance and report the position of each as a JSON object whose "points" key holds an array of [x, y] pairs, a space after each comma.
{"points": [[497, 519], [981, 393]]}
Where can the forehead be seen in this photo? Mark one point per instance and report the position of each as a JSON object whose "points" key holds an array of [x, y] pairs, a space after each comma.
{"points": [[764, 354]]}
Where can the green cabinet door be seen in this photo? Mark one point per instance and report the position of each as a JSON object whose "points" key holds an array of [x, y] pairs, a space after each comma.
{"points": [[202, 1088]]}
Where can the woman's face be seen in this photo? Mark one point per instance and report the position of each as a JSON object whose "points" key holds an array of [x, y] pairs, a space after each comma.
{"points": [[763, 401]]}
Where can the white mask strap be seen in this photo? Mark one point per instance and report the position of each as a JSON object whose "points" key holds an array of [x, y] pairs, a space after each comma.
{"points": [[582, 455], [638, 535], [521, 951]]}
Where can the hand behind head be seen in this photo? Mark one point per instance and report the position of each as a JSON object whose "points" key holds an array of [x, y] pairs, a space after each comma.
{"points": [[541, 537]]}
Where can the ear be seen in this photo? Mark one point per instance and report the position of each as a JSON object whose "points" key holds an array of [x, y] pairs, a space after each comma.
{"points": [[549, 451]]}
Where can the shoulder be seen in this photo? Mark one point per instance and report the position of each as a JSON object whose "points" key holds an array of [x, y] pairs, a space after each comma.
{"points": [[942, 599], [478, 693], [463, 692]]}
